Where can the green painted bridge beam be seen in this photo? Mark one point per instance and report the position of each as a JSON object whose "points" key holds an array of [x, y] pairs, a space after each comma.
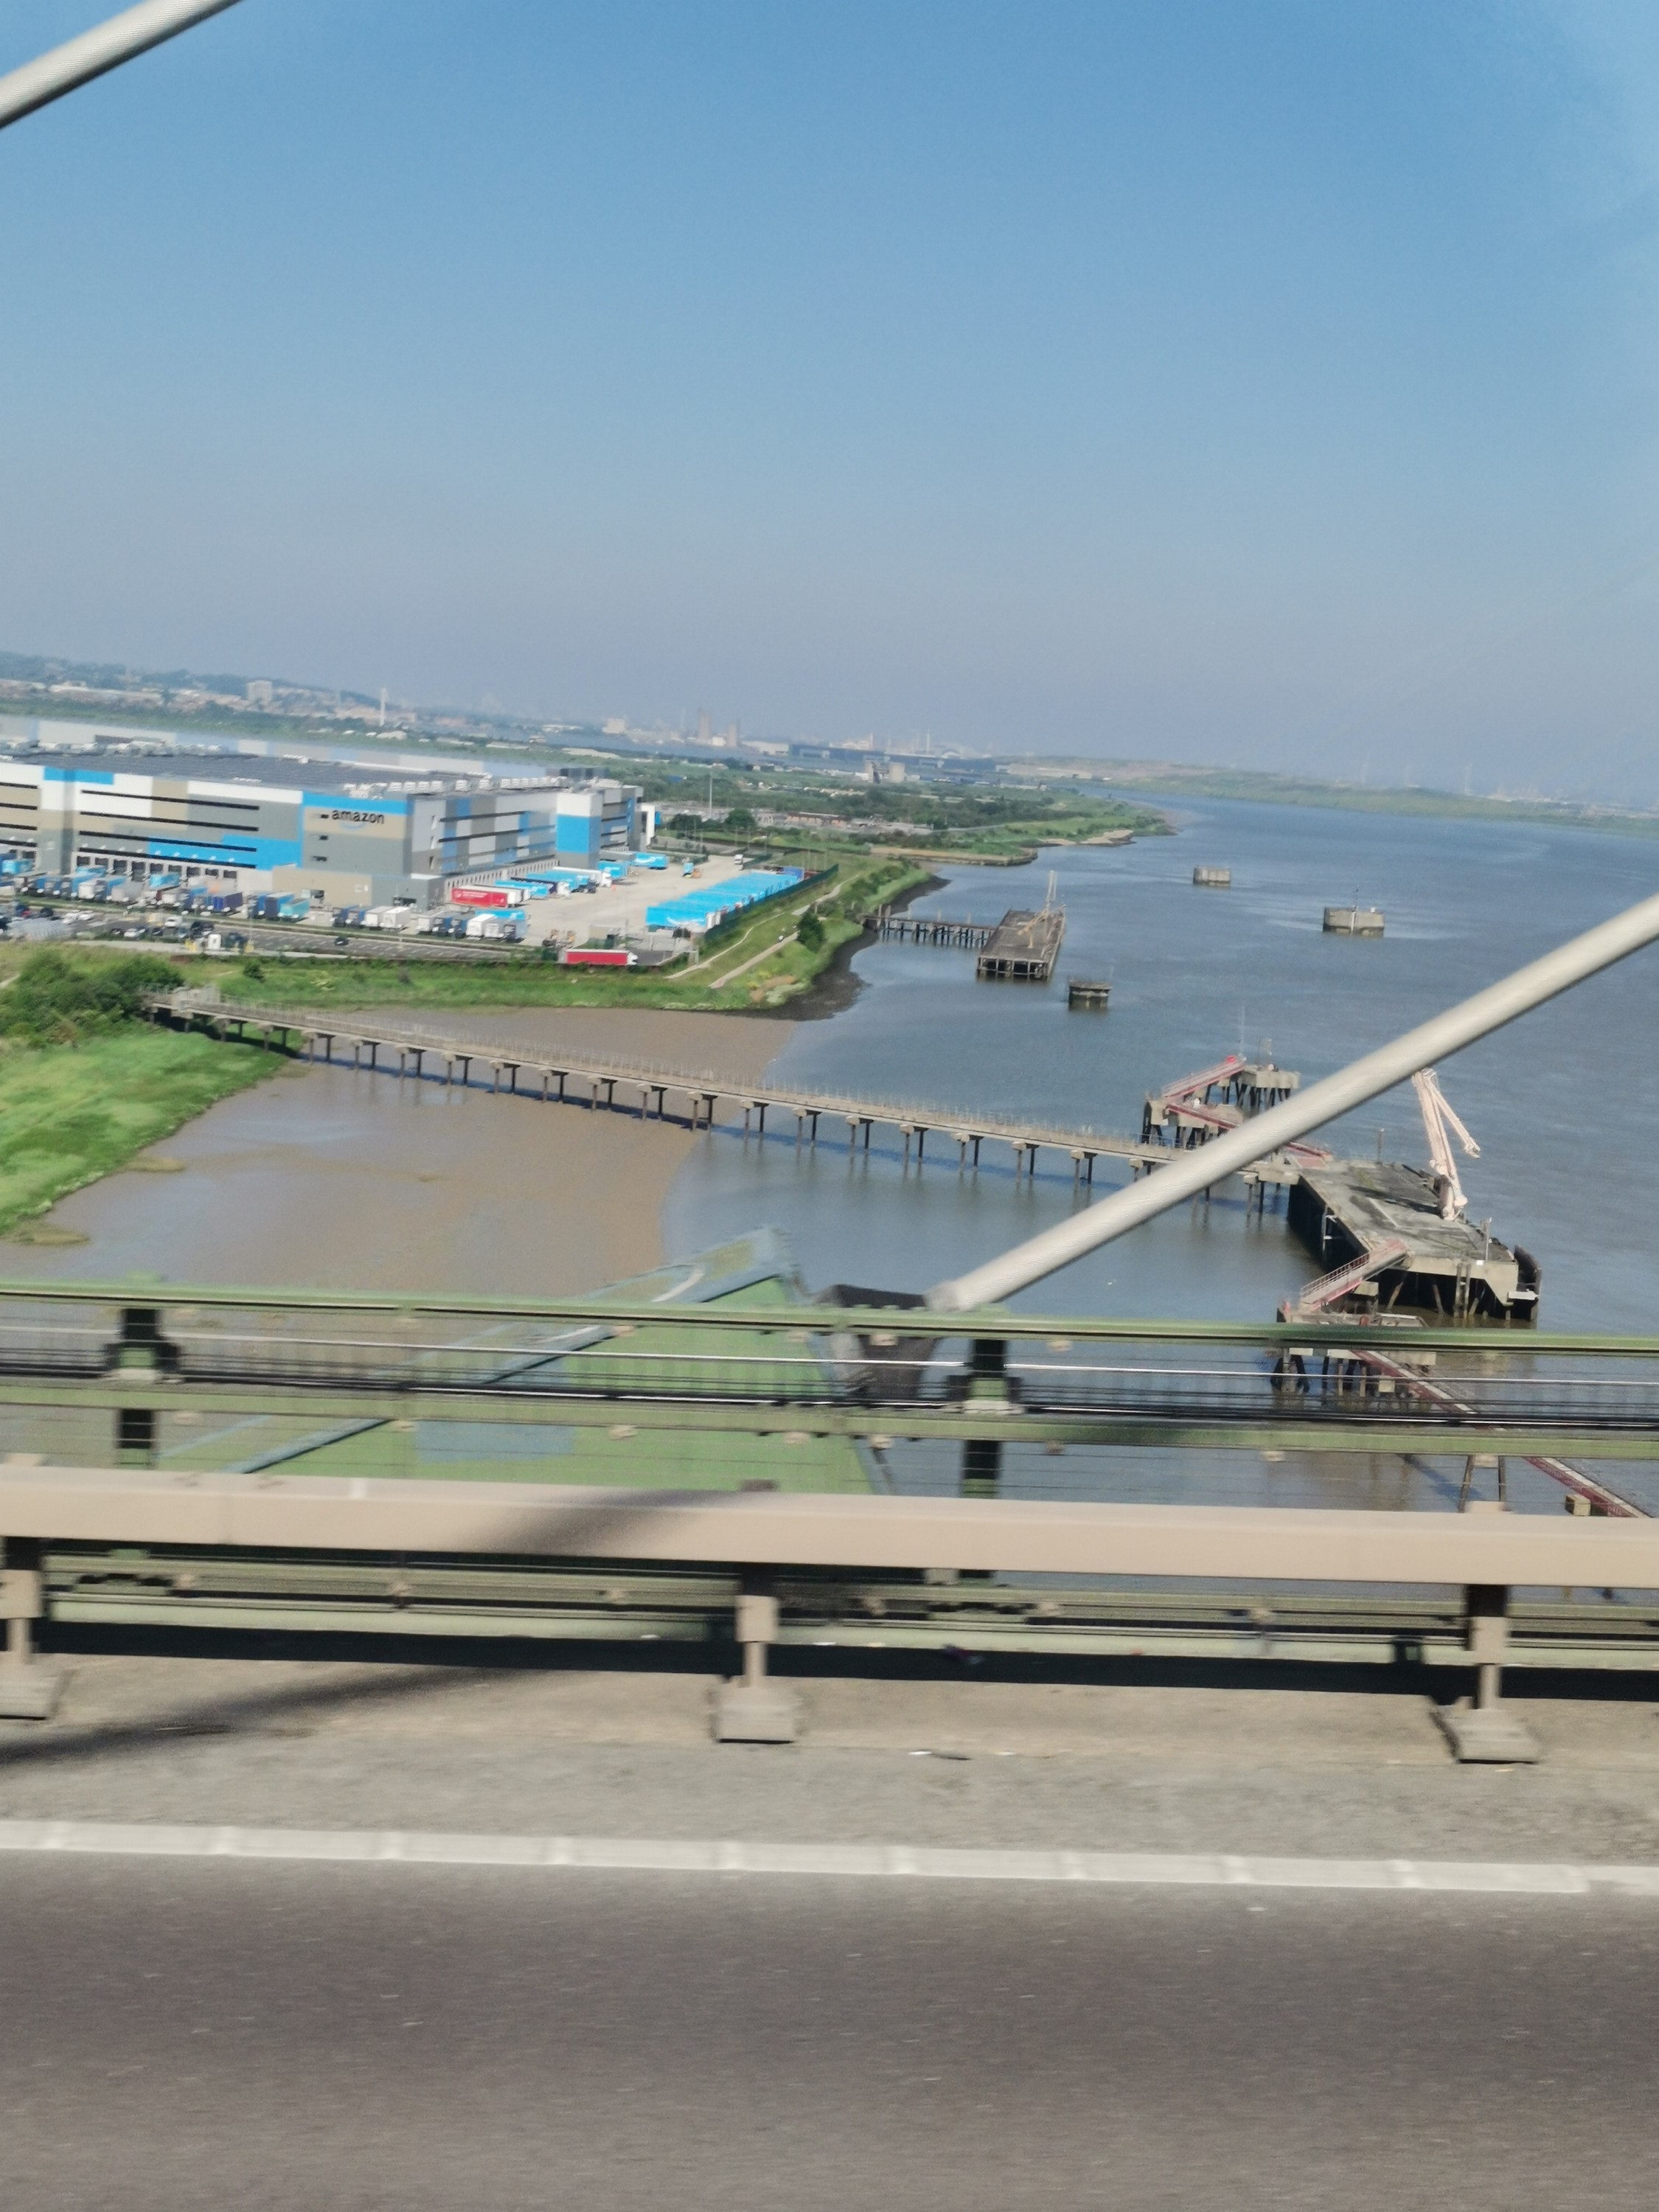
{"points": [[803, 1322], [809, 1418]]}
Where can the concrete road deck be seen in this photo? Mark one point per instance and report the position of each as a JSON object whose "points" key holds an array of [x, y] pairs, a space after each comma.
{"points": [[1295, 1763]]}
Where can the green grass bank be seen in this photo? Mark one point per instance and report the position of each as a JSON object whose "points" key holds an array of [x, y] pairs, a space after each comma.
{"points": [[71, 1113], [771, 956]]}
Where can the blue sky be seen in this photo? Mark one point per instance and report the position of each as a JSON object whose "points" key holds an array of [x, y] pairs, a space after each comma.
{"points": [[1270, 383]]}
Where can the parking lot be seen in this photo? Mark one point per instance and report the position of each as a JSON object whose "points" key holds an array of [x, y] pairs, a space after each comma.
{"points": [[616, 909], [619, 909]]}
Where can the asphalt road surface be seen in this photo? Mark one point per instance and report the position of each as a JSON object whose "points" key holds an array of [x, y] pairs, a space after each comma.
{"points": [[178, 2035]]}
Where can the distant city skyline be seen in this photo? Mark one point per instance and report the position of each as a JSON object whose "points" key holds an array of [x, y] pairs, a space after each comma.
{"points": [[55, 698], [1269, 387]]}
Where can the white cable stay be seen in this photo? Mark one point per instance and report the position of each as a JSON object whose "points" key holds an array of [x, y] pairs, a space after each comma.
{"points": [[104, 47]]}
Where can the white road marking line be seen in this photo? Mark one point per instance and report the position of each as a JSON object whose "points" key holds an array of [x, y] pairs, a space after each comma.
{"points": [[665, 1854]]}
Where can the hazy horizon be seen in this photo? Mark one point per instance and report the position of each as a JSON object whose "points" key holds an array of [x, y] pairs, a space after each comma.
{"points": [[1265, 388]]}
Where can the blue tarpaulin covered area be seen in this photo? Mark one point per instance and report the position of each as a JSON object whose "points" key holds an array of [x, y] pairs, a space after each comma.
{"points": [[704, 908]]}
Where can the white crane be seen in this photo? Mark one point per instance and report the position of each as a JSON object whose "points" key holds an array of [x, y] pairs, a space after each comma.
{"points": [[1441, 1125]]}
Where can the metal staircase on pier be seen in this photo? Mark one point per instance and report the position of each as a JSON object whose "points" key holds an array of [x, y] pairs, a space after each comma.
{"points": [[1323, 1292]]}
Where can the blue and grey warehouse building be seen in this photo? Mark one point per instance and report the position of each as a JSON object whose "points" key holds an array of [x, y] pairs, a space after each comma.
{"points": [[352, 844]]}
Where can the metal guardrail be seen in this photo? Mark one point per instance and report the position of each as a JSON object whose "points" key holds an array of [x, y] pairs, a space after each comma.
{"points": [[173, 1588], [1009, 1324], [1618, 1416], [772, 1529], [468, 1544], [376, 1384]]}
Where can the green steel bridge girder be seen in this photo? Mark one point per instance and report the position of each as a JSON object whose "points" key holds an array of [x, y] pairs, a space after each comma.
{"points": [[801, 1321], [980, 1419]]}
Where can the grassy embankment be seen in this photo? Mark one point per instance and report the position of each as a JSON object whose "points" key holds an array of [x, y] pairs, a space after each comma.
{"points": [[761, 960], [991, 823], [1010, 829], [1007, 847], [85, 1084]]}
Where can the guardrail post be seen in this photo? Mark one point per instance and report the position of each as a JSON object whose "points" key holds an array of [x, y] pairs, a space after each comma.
{"points": [[754, 1709], [988, 1387], [1481, 1731], [135, 1436], [1482, 1463], [29, 1686], [143, 1343]]}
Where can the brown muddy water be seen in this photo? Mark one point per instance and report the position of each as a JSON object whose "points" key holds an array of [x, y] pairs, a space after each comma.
{"points": [[324, 1177]]}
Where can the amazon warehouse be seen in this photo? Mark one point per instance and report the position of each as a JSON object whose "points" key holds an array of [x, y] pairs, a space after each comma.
{"points": [[356, 844]]}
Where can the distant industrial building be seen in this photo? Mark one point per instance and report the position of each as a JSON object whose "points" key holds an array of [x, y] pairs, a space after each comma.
{"points": [[354, 844]]}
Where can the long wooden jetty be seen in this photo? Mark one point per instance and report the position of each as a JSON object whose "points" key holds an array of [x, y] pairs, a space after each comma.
{"points": [[696, 1096]]}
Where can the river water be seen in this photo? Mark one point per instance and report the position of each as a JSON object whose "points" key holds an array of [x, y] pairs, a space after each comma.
{"points": [[1565, 1104]]}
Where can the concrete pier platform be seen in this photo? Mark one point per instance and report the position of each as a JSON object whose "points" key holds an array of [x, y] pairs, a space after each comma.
{"points": [[1453, 1270], [1024, 946]]}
